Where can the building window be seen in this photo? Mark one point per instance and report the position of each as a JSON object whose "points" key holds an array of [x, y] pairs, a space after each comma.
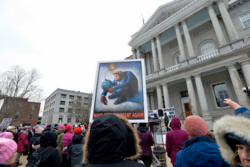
{"points": [[245, 20], [70, 103], [62, 102], [17, 115], [31, 116], [86, 98], [220, 92], [207, 48], [9, 105], [32, 107], [177, 59], [19, 106], [79, 98], [70, 110], [60, 120], [71, 97], [77, 119], [69, 120], [61, 110], [63, 96]]}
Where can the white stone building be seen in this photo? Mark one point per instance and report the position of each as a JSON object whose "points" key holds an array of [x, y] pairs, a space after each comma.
{"points": [[58, 106], [196, 54]]}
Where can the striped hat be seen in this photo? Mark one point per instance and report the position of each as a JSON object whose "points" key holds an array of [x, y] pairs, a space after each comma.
{"points": [[38, 129]]}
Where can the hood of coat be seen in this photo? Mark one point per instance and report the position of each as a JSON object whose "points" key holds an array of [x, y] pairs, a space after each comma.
{"points": [[201, 151], [238, 126], [110, 139], [48, 139], [58, 132], [77, 138], [142, 129], [175, 123]]}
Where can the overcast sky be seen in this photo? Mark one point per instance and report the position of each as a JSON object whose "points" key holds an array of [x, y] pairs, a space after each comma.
{"points": [[65, 39]]}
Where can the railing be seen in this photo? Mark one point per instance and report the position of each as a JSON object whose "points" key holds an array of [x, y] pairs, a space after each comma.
{"points": [[208, 55], [173, 68]]}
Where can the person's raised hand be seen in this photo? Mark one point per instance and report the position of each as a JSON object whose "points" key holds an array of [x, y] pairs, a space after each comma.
{"points": [[231, 104], [104, 100]]}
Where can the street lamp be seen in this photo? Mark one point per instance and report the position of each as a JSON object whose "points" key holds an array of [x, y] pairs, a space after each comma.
{"points": [[246, 90]]}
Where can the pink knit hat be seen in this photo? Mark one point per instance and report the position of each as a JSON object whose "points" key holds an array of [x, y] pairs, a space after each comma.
{"points": [[7, 149], [195, 126], [68, 127], [6, 135], [61, 127], [38, 129]]}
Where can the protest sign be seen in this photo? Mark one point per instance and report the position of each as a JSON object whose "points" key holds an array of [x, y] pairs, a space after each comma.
{"points": [[169, 111], [120, 89], [5, 122]]}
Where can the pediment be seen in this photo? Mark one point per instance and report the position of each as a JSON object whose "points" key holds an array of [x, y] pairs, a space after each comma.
{"points": [[162, 13]]}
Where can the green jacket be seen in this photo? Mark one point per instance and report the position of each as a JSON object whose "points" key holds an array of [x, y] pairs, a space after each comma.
{"points": [[59, 143], [166, 120]]}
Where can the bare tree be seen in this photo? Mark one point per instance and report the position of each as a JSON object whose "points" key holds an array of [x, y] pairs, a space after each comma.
{"points": [[81, 109], [15, 86]]}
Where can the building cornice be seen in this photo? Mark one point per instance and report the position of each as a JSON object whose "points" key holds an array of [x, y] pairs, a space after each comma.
{"points": [[186, 12]]}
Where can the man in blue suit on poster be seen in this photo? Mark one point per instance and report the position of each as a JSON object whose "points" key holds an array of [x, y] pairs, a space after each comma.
{"points": [[124, 85]]}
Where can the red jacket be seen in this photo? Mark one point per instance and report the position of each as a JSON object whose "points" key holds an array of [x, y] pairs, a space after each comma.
{"points": [[175, 139], [22, 141]]}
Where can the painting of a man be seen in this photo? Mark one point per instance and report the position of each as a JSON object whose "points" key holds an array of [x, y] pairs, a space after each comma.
{"points": [[125, 84]]}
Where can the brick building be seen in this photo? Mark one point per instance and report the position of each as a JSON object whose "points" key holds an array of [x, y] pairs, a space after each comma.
{"points": [[20, 110]]}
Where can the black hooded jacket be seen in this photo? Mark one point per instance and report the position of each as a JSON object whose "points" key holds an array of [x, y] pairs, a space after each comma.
{"points": [[75, 152], [109, 142], [50, 158]]}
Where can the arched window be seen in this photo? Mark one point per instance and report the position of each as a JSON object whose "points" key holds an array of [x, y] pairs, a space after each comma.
{"points": [[177, 58], [207, 47]]}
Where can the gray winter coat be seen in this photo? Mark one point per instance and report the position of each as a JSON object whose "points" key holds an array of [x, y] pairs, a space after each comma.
{"points": [[75, 152]]}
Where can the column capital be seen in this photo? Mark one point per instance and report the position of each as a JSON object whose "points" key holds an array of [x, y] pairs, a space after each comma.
{"points": [[244, 63], [138, 48], [176, 25], [165, 84], [157, 37], [152, 40], [158, 86], [230, 66], [151, 93], [187, 78], [184, 21], [208, 6], [197, 76], [219, 1]]}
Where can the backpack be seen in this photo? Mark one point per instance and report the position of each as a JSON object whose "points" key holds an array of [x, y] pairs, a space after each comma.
{"points": [[35, 158]]}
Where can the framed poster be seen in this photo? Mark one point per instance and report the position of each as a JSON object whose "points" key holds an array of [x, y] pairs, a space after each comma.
{"points": [[120, 88]]}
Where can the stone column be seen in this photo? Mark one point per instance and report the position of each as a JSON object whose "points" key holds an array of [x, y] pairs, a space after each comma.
{"points": [[192, 97], [246, 71], [216, 25], [152, 101], [148, 64], [166, 95], [154, 55], [235, 78], [159, 52], [188, 39], [148, 101], [138, 53], [202, 97], [159, 96], [180, 42], [134, 55], [227, 21]]}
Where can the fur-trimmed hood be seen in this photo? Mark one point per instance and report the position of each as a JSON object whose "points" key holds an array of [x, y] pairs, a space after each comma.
{"points": [[110, 139], [239, 126]]}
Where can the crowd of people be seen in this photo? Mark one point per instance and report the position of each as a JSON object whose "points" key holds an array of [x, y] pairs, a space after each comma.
{"points": [[112, 141], [57, 145]]}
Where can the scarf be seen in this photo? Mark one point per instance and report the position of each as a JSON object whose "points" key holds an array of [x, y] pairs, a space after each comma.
{"points": [[25, 132]]}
